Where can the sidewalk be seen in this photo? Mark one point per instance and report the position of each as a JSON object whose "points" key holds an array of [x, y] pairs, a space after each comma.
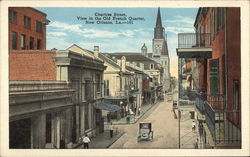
{"points": [[188, 137], [133, 119], [103, 140]]}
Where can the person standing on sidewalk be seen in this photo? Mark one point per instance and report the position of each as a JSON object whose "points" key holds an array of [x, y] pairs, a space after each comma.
{"points": [[111, 129], [193, 126], [86, 141]]}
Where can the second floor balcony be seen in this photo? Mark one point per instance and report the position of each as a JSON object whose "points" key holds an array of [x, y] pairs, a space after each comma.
{"points": [[194, 45]]}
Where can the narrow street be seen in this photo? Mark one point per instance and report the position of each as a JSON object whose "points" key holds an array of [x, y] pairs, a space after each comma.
{"points": [[164, 126]]}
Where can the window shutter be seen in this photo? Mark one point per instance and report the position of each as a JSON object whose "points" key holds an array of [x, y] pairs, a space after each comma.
{"points": [[214, 76]]}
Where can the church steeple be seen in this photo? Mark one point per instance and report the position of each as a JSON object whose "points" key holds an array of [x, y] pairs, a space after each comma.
{"points": [[164, 50], [159, 30], [158, 19]]}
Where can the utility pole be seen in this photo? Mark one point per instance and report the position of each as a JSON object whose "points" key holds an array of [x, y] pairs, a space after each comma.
{"points": [[179, 127]]}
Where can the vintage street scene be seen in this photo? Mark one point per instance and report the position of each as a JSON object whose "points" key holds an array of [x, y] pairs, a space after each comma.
{"points": [[124, 78]]}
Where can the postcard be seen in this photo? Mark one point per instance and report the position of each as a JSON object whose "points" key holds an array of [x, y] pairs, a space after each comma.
{"points": [[124, 78]]}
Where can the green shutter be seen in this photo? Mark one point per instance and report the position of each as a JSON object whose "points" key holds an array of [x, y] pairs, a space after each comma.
{"points": [[214, 76]]}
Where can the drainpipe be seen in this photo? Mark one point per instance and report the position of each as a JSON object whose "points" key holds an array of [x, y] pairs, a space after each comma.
{"points": [[226, 94]]}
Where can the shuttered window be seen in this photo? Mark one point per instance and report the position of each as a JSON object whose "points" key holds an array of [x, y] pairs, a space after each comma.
{"points": [[214, 76]]}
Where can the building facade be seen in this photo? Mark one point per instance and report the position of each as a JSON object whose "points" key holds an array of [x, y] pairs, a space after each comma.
{"points": [[217, 52], [27, 29]]}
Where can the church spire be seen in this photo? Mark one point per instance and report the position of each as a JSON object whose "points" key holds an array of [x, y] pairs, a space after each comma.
{"points": [[159, 30], [158, 20]]}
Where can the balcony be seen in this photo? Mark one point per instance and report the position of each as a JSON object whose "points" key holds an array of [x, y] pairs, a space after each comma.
{"points": [[194, 45], [223, 125], [199, 102]]}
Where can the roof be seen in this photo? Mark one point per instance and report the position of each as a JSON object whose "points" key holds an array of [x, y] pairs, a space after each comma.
{"points": [[164, 50], [132, 56], [108, 60], [133, 69], [158, 20]]}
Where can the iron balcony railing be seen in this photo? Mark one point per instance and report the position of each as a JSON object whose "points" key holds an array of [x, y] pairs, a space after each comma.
{"points": [[192, 40], [224, 125], [199, 102]]}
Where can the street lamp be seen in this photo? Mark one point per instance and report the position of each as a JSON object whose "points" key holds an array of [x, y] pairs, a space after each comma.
{"points": [[179, 127]]}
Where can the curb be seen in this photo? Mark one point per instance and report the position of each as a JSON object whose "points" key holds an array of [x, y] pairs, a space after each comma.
{"points": [[115, 139]]}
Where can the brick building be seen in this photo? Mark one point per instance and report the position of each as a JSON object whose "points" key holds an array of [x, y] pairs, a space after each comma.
{"points": [[27, 29], [216, 48]]}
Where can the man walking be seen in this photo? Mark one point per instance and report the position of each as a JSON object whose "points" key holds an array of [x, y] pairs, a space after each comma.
{"points": [[86, 141], [111, 130]]}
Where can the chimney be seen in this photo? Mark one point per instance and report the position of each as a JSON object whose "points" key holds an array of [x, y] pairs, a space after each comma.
{"points": [[96, 51], [123, 63]]}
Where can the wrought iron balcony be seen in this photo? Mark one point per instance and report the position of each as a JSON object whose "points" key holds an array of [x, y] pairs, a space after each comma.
{"points": [[194, 45], [224, 125], [192, 40]]}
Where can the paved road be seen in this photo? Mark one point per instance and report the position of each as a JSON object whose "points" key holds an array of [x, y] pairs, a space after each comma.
{"points": [[164, 125]]}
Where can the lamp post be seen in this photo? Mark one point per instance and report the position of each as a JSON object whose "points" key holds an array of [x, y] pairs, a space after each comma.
{"points": [[179, 127]]}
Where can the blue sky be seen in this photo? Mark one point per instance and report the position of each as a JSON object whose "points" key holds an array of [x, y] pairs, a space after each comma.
{"points": [[65, 29]]}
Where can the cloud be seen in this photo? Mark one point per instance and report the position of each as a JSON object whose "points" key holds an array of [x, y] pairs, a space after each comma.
{"points": [[56, 34], [177, 30], [181, 20], [92, 33]]}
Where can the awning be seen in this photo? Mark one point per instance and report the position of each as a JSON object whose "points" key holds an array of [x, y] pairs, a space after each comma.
{"points": [[108, 107], [194, 52]]}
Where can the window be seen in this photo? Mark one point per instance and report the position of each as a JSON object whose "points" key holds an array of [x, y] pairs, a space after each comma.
{"points": [[236, 94], [165, 62], [38, 26], [14, 40], [12, 16], [98, 82], [26, 22], [31, 43], [38, 44], [106, 87], [212, 25], [151, 66], [214, 76], [220, 18], [23, 41]]}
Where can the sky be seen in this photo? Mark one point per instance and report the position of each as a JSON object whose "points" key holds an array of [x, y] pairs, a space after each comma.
{"points": [[65, 29]]}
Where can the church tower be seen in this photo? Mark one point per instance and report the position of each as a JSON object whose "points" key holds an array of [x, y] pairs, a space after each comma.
{"points": [[159, 37], [160, 51]]}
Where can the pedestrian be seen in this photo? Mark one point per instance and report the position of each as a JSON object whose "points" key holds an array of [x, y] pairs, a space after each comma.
{"points": [[193, 126], [86, 141], [111, 130], [139, 111]]}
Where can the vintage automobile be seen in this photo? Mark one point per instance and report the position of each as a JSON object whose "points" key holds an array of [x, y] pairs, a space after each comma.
{"points": [[145, 132]]}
